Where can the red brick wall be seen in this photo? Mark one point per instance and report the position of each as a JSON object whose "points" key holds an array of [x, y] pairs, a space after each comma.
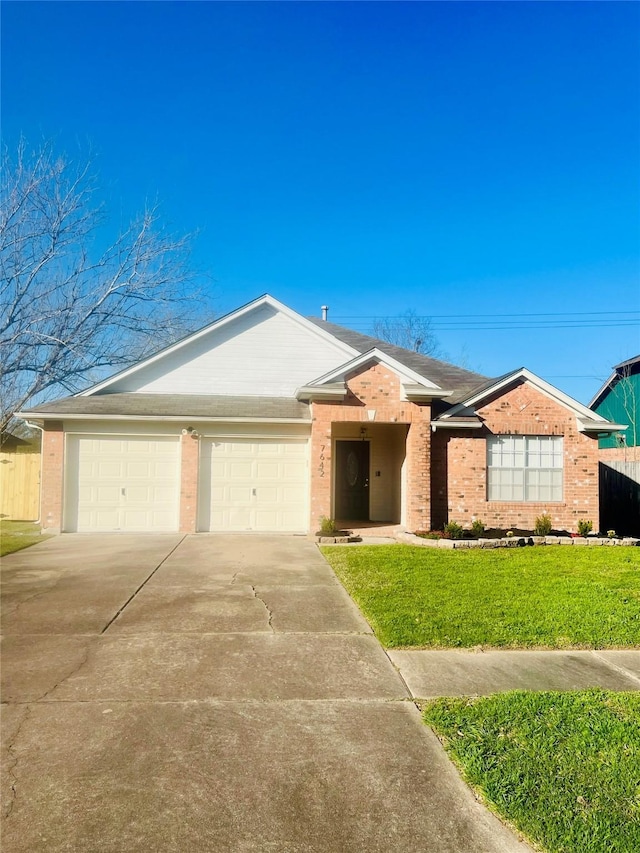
{"points": [[189, 449], [620, 454], [52, 476], [522, 410], [373, 388]]}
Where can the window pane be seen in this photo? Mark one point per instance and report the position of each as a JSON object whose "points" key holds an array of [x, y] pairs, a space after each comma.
{"points": [[524, 467]]}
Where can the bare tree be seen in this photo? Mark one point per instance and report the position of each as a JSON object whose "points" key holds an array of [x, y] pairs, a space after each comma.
{"points": [[410, 331], [70, 311]]}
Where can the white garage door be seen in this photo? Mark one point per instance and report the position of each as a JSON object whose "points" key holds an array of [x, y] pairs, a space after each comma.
{"points": [[250, 484], [122, 483]]}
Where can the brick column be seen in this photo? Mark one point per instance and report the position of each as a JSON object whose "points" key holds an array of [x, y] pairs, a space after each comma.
{"points": [[418, 516], [320, 465], [51, 482], [189, 449]]}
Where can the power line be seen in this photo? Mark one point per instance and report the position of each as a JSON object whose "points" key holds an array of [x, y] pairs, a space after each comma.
{"points": [[510, 314]]}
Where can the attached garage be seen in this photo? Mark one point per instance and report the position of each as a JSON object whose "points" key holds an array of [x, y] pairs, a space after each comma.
{"points": [[254, 484], [122, 483]]}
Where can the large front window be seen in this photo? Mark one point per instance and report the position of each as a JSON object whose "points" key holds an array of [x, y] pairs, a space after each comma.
{"points": [[524, 468]]}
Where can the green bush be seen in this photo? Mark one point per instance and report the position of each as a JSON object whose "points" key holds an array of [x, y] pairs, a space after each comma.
{"points": [[327, 526], [477, 527], [543, 525], [584, 527], [453, 530]]}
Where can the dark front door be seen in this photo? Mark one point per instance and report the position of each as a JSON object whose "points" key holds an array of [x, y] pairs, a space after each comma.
{"points": [[352, 480]]}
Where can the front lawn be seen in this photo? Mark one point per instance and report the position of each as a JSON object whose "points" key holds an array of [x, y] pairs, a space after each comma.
{"points": [[15, 535], [545, 597], [562, 767]]}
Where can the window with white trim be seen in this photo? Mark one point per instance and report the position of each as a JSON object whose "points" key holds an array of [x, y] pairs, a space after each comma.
{"points": [[524, 468]]}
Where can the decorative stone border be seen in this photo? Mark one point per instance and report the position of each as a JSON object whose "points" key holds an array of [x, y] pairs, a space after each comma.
{"points": [[512, 541], [337, 540]]}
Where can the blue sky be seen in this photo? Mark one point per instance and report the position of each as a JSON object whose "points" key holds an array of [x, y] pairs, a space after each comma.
{"points": [[478, 163]]}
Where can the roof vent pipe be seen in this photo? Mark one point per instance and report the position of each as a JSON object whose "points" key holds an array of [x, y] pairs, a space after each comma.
{"points": [[324, 310]]}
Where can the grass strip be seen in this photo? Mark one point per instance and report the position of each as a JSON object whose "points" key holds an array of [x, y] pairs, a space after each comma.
{"points": [[16, 535], [564, 768], [540, 597]]}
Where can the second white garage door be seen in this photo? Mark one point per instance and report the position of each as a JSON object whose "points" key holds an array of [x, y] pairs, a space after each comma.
{"points": [[254, 485]]}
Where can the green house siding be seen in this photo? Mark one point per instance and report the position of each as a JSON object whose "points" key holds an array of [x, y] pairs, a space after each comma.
{"points": [[621, 404]]}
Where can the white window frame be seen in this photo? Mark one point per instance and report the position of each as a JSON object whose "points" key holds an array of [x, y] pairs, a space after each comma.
{"points": [[525, 468]]}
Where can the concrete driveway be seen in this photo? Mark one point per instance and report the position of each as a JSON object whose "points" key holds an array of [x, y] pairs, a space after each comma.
{"points": [[211, 693]]}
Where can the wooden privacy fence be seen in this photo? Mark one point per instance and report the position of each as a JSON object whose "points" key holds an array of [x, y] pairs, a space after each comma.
{"points": [[620, 497], [20, 482]]}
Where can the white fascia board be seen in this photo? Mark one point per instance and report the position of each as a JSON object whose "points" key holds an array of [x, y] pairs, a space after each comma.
{"points": [[219, 324], [600, 426], [452, 423], [419, 392], [57, 416], [336, 391], [542, 386], [405, 373]]}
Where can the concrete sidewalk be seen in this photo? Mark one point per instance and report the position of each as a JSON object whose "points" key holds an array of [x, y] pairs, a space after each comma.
{"points": [[429, 674], [212, 693]]}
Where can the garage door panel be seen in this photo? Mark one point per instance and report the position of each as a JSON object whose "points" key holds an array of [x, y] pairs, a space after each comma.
{"points": [[120, 483], [254, 484]]}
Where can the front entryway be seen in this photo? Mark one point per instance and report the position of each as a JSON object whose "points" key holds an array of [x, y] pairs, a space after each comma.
{"points": [[352, 480]]}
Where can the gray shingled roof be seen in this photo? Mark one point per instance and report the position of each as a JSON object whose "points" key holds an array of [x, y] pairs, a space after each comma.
{"points": [[442, 373], [176, 405]]}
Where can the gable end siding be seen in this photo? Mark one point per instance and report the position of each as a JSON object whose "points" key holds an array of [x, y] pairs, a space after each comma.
{"points": [[264, 353]]}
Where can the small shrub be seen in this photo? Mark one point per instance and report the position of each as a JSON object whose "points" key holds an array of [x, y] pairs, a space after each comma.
{"points": [[477, 527], [584, 527], [543, 525], [327, 526], [453, 530], [611, 534]]}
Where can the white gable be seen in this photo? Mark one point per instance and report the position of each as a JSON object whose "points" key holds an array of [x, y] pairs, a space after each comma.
{"points": [[265, 351]]}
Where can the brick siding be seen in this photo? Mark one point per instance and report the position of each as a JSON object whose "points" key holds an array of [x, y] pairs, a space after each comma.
{"points": [[522, 410], [189, 450], [373, 388], [51, 489]]}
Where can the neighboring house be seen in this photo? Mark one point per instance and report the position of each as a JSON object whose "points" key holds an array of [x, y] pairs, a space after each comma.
{"points": [[267, 421], [619, 400]]}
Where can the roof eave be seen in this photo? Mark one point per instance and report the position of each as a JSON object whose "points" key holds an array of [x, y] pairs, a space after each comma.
{"points": [[599, 426], [418, 393], [452, 423], [326, 393], [76, 416]]}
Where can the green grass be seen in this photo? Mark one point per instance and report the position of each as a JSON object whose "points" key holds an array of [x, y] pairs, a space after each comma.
{"points": [[564, 768], [16, 535], [542, 597]]}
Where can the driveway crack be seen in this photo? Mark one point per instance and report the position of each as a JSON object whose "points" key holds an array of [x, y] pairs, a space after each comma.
{"points": [[266, 607], [12, 767]]}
